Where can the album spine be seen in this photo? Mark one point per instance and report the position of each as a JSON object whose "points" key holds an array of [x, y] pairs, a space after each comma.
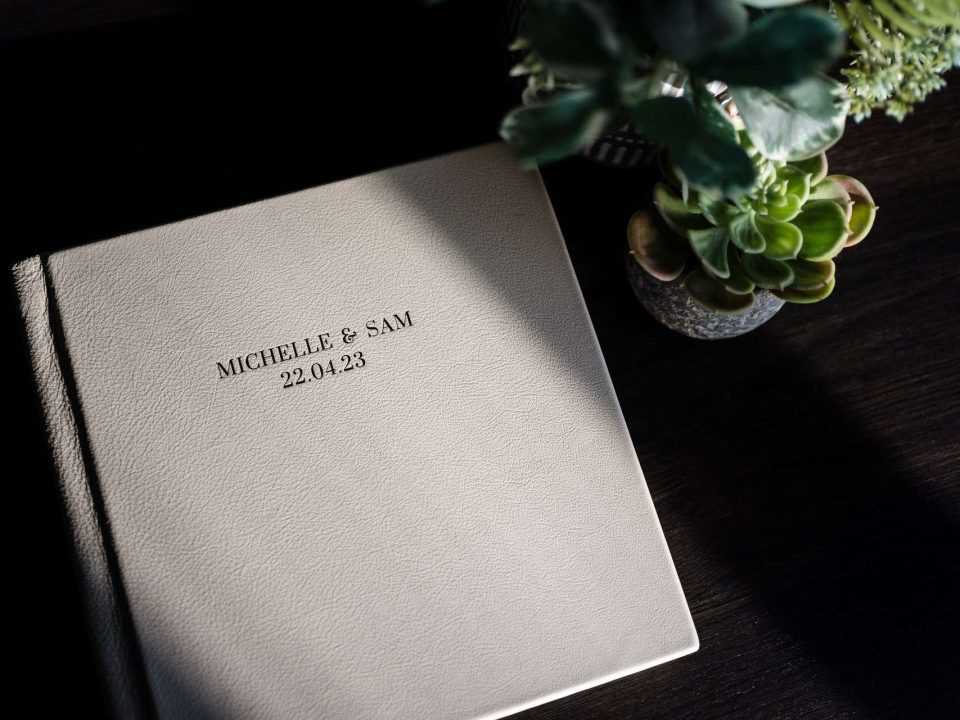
{"points": [[114, 638]]}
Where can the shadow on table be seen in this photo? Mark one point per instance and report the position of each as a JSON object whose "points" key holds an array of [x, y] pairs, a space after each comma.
{"points": [[853, 556], [808, 512], [790, 491]]}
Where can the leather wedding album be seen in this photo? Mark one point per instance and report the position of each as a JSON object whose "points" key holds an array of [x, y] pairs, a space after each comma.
{"points": [[351, 452]]}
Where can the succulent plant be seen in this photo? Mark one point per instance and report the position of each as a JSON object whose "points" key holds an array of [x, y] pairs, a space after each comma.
{"points": [[782, 236]]}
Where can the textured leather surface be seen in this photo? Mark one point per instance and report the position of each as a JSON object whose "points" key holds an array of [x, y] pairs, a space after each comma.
{"points": [[458, 529]]}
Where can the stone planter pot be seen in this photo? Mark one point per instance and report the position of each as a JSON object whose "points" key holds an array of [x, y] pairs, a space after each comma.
{"points": [[670, 304]]}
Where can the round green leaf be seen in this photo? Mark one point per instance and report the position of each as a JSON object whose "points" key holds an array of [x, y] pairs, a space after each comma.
{"points": [[709, 293], [787, 210], [575, 38], [863, 211], [794, 122], [852, 186], [738, 282], [675, 212], [810, 295], [810, 275], [555, 129], [798, 181], [716, 209], [862, 217], [828, 189], [767, 273], [710, 246], [824, 227], [815, 166], [782, 238], [688, 29], [658, 250], [744, 233], [778, 49], [702, 153]]}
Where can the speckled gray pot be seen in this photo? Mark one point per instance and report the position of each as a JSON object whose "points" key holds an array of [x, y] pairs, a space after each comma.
{"points": [[670, 304]]}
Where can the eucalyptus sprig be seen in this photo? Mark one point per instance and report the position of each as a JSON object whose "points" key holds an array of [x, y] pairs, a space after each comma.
{"points": [[598, 65]]}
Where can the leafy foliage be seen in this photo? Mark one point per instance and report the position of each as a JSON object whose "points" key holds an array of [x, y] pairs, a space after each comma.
{"points": [[900, 50], [795, 122], [778, 50], [686, 30], [781, 235], [700, 146], [552, 131], [595, 65]]}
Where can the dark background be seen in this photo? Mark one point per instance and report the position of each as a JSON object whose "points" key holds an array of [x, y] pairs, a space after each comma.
{"points": [[806, 475]]}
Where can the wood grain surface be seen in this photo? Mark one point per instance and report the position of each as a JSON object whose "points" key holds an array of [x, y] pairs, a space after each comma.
{"points": [[806, 475]]}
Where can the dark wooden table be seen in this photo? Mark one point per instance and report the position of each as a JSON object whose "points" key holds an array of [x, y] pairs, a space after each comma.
{"points": [[806, 475]]}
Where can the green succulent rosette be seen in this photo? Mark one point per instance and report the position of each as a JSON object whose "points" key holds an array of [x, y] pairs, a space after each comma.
{"points": [[782, 236]]}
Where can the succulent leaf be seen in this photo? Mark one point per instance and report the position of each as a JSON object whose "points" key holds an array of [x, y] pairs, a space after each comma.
{"points": [[666, 169], [815, 166], [852, 186], [767, 273], [863, 210], [658, 250], [810, 275], [709, 293], [781, 237], [738, 282], [785, 208], [824, 227], [862, 215], [745, 235], [710, 246], [716, 209], [828, 189], [810, 295], [784, 245], [680, 216], [797, 180]]}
